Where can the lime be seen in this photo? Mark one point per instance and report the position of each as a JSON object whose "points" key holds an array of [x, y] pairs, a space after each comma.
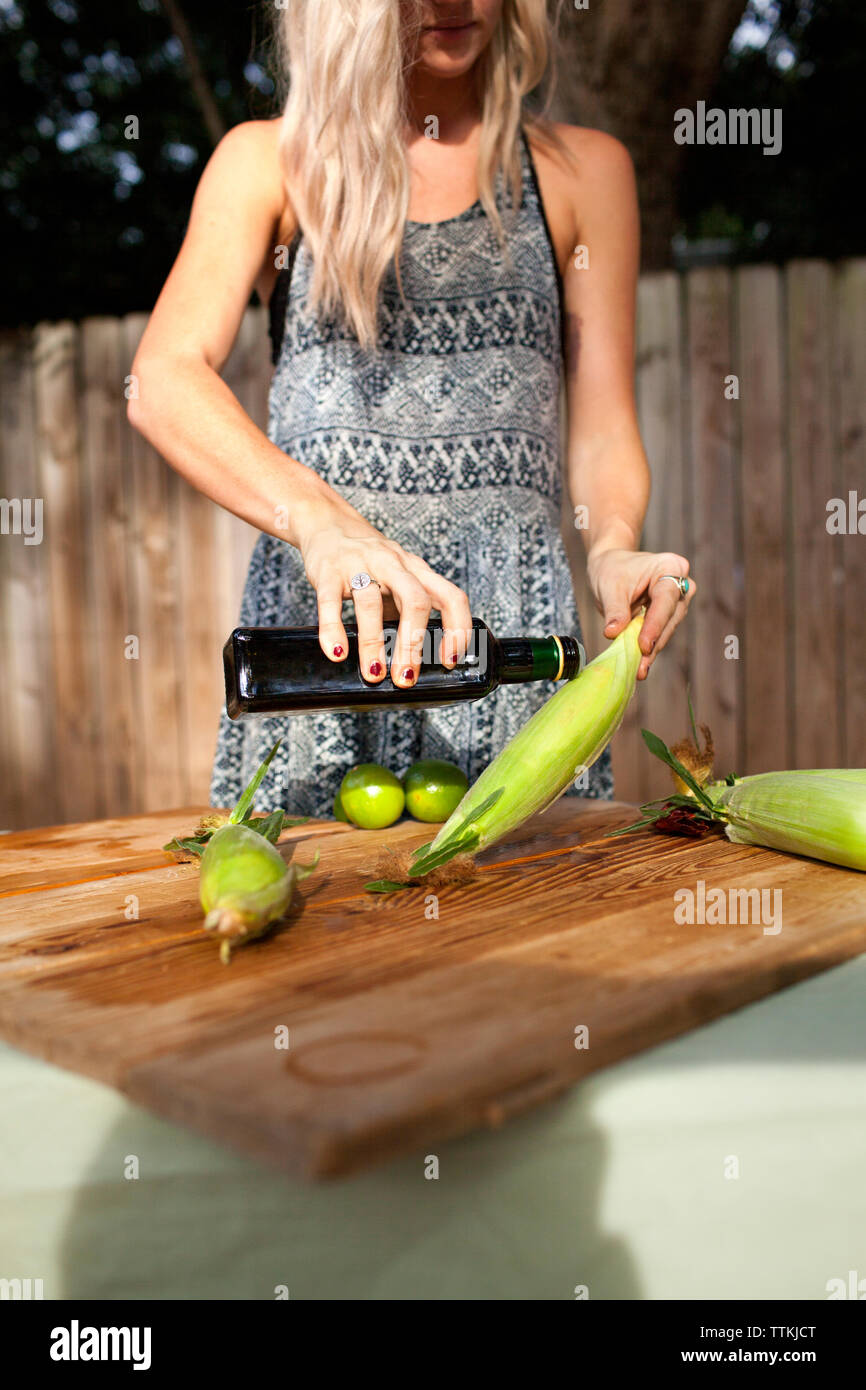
{"points": [[371, 796], [339, 809], [434, 788]]}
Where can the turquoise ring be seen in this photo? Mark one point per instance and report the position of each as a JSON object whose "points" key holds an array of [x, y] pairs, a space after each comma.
{"points": [[681, 582]]}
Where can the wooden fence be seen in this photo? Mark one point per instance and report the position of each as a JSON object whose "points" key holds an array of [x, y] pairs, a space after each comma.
{"points": [[112, 627]]}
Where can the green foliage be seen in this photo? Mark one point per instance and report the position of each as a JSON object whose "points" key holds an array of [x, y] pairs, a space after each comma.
{"points": [[796, 203], [96, 219]]}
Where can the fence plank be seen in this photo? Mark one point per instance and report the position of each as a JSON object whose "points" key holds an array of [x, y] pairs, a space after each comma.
{"points": [[591, 621], [591, 626], [850, 371], [660, 703], [154, 576], [79, 791], [247, 372], [764, 649], [110, 593], [29, 771], [817, 567], [715, 547], [199, 638]]}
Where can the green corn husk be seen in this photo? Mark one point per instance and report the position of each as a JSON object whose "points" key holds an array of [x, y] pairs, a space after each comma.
{"points": [[847, 774], [566, 735], [820, 813], [246, 886]]}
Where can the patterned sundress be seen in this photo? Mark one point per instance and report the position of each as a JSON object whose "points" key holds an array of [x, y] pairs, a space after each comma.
{"points": [[447, 440]]}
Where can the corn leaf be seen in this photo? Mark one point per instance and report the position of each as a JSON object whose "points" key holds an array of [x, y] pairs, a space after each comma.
{"points": [[627, 829], [246, 801], [459, 831], [464, 845], [442, 857], [194, 845], [267, 826], [659, 809], [272, 826], [692, 717], [483, 808], [658, 746]]}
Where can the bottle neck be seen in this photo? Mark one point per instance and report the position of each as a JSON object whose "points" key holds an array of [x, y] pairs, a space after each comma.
{"points": [[539, 658]]}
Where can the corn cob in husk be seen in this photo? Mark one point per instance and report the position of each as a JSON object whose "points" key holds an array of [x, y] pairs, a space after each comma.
{"points": [[818, 812], [246, 885], [561, 740]]}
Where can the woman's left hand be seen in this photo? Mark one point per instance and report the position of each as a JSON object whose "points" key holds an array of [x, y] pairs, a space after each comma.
{"points": [[624, 581]]}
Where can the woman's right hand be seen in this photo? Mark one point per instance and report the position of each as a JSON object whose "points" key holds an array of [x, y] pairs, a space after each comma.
{"points": [[341, 546]]}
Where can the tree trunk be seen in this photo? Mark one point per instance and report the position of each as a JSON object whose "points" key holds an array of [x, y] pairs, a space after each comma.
{"points": [[625, 66], [214, 123]]}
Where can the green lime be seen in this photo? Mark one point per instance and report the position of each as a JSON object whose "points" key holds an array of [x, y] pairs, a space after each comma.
{"points": [[434, 788], [372, 797], [339, 809]]}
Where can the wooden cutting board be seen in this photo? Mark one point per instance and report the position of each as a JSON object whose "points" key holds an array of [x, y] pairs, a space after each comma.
{"points": [[409, 1018]]}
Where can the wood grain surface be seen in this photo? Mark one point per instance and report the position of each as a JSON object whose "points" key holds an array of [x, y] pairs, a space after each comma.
{"points": [[410, 1018]]}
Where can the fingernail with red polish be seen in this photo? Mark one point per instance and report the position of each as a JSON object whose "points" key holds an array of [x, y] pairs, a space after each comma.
{"points": [[408, 674], [375, 668], [338, 651]]}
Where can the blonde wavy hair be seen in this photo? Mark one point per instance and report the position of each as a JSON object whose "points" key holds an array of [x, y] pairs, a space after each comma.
{"points": [[342, 142]]}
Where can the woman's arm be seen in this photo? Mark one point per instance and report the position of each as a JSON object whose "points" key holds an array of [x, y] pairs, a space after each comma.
{"points": [[190, 416], [607, 468]]}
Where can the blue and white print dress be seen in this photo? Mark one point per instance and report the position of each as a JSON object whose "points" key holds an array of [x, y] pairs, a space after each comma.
{"points": [[446, 439]]}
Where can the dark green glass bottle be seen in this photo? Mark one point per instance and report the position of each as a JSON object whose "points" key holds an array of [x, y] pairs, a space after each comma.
{"points": [[279, 670]]}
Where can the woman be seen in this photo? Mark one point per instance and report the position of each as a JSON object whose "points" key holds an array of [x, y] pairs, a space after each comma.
{"points": [[417, 235]]}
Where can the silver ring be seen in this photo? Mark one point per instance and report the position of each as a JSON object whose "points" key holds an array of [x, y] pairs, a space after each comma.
{"points": [[680, 580], [361, 581]]}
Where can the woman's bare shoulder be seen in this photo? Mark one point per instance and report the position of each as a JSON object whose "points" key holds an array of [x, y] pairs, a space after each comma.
{"points": [[254, 139], [591, 179], [593, 153], [250, 150]]}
